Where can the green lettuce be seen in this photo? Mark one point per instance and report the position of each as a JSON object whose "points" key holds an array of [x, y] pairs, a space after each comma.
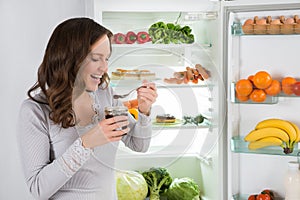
{"points": [[183, 189], [131, 185]]}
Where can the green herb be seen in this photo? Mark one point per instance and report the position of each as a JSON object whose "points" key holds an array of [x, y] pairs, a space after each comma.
{"points": [[194, 120]]}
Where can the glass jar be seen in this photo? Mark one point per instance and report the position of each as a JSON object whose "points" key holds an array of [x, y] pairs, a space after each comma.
{"points": [[292, 181], [113, 111]]}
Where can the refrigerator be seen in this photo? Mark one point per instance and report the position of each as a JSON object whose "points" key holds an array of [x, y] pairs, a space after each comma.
{"points": [[214, 152]]}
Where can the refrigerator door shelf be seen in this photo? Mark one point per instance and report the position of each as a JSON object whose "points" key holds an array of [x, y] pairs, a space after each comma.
{"points": [[238, 145], [245, 197], [234, 99], [238, 29]]}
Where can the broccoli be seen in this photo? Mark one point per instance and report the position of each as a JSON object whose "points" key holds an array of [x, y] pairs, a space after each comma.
{"points": [[158, 180]]}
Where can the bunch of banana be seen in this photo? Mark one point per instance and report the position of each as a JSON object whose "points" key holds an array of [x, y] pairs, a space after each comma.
{"points": [[274, 132]]}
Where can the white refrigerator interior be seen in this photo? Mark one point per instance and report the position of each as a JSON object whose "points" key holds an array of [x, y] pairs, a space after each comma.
{"points": [[185, 150]]}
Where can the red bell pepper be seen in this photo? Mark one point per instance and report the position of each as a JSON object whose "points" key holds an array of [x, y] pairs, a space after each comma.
{"points": [[143, 37], [130, 37], [119, 38]]}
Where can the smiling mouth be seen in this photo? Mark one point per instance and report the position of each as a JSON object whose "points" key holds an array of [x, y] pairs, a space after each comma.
{"points": [[97, 77]]}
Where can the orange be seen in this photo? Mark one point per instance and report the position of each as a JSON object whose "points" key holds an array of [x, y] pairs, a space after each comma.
{"points": [[251, 78], [243, 87], [287, 83], [262, 80], [274, 88], [242, 98], [258, 95]]}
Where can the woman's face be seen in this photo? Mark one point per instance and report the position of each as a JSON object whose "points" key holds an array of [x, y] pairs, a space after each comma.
{"points": [[96, 64]]}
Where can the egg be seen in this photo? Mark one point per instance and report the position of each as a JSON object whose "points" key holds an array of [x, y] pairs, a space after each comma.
{"points": [[289, 21], [261, 22], [287, 26], [275, 21], [260, 26], [248, 26], [274, 27], [249, 21]]}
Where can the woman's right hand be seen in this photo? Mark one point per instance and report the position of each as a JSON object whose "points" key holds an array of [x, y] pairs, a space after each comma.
{"points": [[107, 130]]}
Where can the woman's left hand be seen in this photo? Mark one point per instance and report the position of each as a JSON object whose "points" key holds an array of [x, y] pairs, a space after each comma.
{"points": [[146, 97]]}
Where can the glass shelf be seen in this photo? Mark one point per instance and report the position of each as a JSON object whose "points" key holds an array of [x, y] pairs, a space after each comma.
{"points": [[159, 84], [179, 125], [238, 29], [269, 99], [238, 145], [150, 45], [245, 197]]}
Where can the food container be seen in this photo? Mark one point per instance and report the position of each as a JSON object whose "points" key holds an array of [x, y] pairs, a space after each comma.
{"points": [[113, 111]]}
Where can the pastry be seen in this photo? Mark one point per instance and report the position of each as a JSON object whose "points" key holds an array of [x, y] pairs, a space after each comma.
{"points": [[165, 118], [122, 74]]}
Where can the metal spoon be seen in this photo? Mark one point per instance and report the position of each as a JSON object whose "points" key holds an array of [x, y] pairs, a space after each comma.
{"points": [[118, 96]]}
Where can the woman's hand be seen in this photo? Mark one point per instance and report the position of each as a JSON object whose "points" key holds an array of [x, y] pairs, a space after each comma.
{"points": [[107, 130], [146, 97]]}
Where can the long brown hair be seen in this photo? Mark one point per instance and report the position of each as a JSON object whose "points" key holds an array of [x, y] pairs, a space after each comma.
{"points": [[68, 46]]}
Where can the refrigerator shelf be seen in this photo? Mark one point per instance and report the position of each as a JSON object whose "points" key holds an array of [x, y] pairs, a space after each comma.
{"points": [[162, 46], [234, 99], [238, 29], [245, 197], [179, 125], [269, 99], [159, 84], [238, 145]]}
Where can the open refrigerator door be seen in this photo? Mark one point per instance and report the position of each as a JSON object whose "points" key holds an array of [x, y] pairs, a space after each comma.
{"points": [[262, 45], [170, 46]]}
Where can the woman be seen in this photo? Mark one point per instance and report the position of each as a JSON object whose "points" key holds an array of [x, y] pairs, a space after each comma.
{"points": [[67, 146]]}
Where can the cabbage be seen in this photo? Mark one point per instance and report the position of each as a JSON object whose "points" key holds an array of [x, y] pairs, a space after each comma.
{"points": [[183, 189], [131, 185]]}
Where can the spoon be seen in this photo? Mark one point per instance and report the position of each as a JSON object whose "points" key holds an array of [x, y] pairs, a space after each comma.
{"points": [[118, 96]]}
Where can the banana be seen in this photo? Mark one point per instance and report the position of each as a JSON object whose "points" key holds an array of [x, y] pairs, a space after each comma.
{"points": [[282, 124], [267, 132], [265, 142], [297, 131]]}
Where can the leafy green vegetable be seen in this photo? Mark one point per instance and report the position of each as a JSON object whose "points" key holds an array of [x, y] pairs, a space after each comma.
{"points": [[131, 185], [194, 120], [158, 180], [183, 189], [170, 33]]}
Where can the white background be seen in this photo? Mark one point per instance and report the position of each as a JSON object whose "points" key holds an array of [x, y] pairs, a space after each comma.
{"points": [[25, 27]]}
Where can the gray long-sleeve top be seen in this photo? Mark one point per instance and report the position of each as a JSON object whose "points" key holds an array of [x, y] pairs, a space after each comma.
{"points": [[57, 166]]}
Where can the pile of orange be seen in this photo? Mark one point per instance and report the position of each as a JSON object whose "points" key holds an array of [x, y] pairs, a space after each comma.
{"points": [[256, 87]]}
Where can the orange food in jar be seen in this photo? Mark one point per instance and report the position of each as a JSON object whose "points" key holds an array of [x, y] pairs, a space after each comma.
{"points": [[127, 104], [258, 95], [262, 80], [287, 85], [133, 103], [274, 88], [243, 87]]}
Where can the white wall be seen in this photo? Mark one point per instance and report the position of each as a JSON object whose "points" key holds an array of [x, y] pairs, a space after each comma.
{"points": [[25, 27]]}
